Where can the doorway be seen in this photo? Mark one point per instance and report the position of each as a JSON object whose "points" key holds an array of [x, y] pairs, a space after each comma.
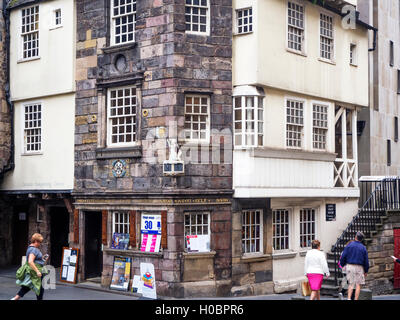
{"points": [[20, 233], [93, 253], [59, 229]]}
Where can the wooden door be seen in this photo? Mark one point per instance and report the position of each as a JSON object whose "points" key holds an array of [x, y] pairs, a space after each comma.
{"points": [[396, 234]]}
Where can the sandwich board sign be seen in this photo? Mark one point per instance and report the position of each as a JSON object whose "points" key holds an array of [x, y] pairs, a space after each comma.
{"points": [[148, 280]]}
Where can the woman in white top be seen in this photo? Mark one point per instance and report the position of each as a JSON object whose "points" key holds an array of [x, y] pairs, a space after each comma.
{"points": [[315, 267]]}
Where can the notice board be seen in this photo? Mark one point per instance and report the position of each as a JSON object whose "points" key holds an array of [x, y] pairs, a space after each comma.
{"points": [[69, 265]]}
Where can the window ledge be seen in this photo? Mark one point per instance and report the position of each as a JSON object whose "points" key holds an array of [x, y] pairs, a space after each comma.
{"points": [[242, 33], [119, 47], [28, 59], [27, 154], [327, 61], [265, 152], [118, 153], [296, 52], [199, 255], [284, 255], [255, 258], [55, 27], [131, 253], [303, 252], [354, 65]]}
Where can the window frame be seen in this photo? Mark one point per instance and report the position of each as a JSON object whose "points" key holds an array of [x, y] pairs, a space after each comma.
{"points": [[333, 52], [302, 141], [290, 226], [391, 53], [303, 51], [353, 54], [113, 26], [109, 143], [24, 150], [325, 105], [261, 233], [125, 223], [315, 222], [195, 213], [206, 140], [208, 20], [22, 34], [248, 24]]}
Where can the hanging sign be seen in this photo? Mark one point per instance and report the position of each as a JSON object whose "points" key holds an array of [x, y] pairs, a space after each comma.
{"points": [[121, 273], [330, 212], [147, 277], [69, 265], [151, 233]]}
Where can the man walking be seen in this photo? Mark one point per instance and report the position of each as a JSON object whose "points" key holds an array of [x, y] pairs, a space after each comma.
{"points": [[355, 258]]}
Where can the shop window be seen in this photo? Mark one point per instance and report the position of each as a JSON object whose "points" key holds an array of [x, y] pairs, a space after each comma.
{"points": [[198, 224], [307, 227], [295, 26], [123, 21], [120, 222], [30, 32], [252, 231], [280, 228]]}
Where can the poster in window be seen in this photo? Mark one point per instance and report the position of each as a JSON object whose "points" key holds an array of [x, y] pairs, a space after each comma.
{"points": [[120, 241], [69, 265], [151, 232], [121, 273], [198, 243]]}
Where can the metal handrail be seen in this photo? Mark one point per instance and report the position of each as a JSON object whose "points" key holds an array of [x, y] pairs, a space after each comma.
{"points": [[385, 196]]}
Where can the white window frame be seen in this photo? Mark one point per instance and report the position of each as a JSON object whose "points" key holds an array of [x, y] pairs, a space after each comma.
{"points": [[311, 235], [207, 32], [249, 24], [110, 144], [353, 54], [208, 123], [289, 235], [22, 34], [195, 225], [333, 52], [124, 224], [303, 50], [260, 239], [24, 150], [294, 99], [326, 129], [113, 25], [258, 123]]}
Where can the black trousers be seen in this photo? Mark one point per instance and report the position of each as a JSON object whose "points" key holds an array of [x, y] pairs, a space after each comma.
{"points": [[24, 290]]}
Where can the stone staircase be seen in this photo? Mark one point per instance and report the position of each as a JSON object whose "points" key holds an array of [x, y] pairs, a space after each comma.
{"points": [[330, 286]]}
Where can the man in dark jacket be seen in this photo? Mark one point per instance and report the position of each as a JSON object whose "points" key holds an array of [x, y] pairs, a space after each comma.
{"points": [[355, 258]]}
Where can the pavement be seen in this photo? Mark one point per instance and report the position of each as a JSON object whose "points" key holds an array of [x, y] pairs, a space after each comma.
{"points": [[93, 291]]}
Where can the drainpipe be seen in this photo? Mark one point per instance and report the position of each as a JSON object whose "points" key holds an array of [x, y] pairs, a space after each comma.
{"points": [[374, 43], [11, 161]]}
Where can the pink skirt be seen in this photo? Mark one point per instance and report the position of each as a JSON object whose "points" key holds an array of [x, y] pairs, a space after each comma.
{"points": [[315, 280]]}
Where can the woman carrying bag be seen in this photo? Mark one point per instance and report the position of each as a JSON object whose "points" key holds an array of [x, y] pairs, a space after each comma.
{"points": [[315, 266]]}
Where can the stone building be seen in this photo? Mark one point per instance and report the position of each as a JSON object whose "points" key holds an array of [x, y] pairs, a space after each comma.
{"points": [[153, 90], [300, 77], [379, 142], [36, 191]]}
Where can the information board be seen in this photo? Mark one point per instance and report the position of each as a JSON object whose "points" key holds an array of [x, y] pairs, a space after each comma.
{"points": [[69, 265], [121, 273], [151, 232], [330, 212]]}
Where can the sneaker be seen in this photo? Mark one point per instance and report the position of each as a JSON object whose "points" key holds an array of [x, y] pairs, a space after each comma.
{"points": [[12, 299], [340, 296]]}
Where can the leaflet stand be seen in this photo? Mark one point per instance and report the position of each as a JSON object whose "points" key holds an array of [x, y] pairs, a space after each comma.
{"points": [[69, 265]]}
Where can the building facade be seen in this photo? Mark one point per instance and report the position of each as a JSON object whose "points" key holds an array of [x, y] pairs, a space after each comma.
{"points": [[379, 143], [154, 84], [37, 192], [300, 78]]}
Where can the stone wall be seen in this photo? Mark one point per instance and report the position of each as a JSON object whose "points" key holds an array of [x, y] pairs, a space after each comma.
{"points": [[380, 250], [5, 126]]}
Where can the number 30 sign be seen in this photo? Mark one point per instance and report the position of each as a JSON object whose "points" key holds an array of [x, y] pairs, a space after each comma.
{"points": [[151, 224]]}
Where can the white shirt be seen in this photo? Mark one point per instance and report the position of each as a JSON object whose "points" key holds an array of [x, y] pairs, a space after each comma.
{"points": [[315, 262]]}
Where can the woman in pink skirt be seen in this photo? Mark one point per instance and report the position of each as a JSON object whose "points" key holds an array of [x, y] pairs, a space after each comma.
{"points": [[314, 268]]}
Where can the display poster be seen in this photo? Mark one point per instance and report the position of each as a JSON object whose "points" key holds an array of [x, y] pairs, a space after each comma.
{"points": [[121, 273], [137, 284], [120, 241], [151, 232], [69, 265], [147, 276], [198, 243]]}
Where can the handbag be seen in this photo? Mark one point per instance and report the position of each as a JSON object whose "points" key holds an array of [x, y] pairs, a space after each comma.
{"points": [[305, 288]]}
